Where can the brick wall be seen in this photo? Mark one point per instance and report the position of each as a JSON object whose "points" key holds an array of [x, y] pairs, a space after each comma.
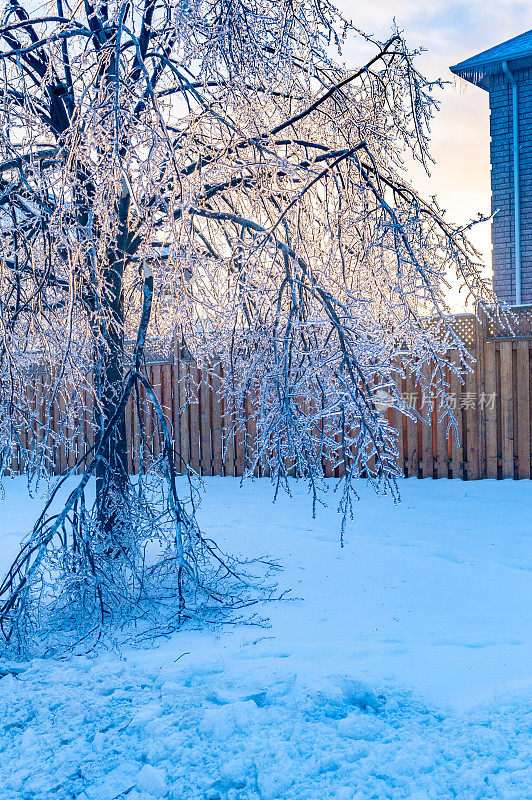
{"points": [[503, 239]]}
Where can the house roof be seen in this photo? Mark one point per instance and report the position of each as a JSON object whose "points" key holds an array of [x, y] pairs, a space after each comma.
{"points": [[477, 69]]}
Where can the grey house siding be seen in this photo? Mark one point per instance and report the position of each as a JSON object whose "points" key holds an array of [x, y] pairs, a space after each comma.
{"points": [[488, 71], [502, 184]]}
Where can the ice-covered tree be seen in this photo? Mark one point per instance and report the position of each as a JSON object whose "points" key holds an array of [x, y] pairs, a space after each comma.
{"points": [[208, 170]]}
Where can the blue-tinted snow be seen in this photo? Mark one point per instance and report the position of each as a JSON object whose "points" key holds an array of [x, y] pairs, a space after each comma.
{"points": [[404, 672]]}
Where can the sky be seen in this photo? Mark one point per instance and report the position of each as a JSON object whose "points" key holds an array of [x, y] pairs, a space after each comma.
{"points": [[451, 31]]}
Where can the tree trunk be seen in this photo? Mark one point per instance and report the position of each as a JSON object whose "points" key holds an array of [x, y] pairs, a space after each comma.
{"points": [[111, 471], [112, 468]]}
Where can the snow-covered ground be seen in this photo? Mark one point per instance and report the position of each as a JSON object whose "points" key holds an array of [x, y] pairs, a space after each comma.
{"points": [[403, 671]]}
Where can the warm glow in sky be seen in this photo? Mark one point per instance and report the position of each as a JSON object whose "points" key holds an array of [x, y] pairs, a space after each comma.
{"points": [[451, 30]]}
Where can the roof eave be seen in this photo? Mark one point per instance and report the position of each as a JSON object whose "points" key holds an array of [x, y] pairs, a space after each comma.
{"points": [[479, 73]]}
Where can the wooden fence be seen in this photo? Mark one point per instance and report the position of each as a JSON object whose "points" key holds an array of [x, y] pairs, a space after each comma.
{"points": [[493, 412], [493, 409]]}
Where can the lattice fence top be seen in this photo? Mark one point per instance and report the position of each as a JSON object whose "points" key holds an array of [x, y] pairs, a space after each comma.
{"points": [[517, 325], [156, 351], [464, 325]]}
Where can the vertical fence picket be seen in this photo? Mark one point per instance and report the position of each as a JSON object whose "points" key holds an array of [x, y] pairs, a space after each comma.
{"points": [[442, 454], [523, 408], [129, 434], [239, 438], [396, 421], [166, 402], [205, 422], [456, 433], [216, 428], [412, 451], [173, 389], [251, 429], [25, 433], [135, 433], [490, 407], [156, 382], [425, 427], [70, 399], [481, 327], [88, 416], [227, 433], [39, 408], [327, 464], [49, 437], [147, 419], [184, 415], [60, 405], [193, 399], [507, 421], [395, 418], [529, 402], [470, 414]]}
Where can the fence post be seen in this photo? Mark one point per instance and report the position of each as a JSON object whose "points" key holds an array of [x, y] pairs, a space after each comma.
{"points": [[523, 408], [480, 342], [507, 411]]}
